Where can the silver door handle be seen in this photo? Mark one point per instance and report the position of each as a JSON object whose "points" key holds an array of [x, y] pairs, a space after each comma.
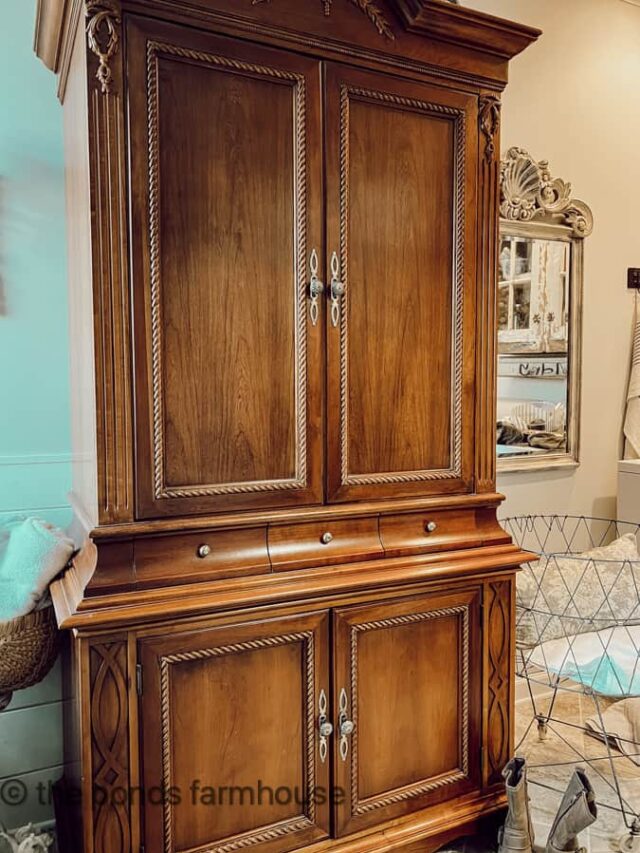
{"points": [[325, 728], [337, 289], [316, 288], [346, 726]]}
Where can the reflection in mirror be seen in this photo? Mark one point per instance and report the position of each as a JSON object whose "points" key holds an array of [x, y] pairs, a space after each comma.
{"points": [[539, 307]]}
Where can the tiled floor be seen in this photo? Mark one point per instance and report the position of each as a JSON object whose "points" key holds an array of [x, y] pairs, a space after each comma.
{"points": [[551, 762]]}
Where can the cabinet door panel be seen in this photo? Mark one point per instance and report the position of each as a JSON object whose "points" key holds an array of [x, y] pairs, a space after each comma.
{"points": [[227, 195], [405, 676], [230, 734], [401, 185]]}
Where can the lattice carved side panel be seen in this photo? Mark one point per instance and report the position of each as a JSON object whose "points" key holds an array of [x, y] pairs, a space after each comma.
{"points": [[110, 747], [499, 648]]}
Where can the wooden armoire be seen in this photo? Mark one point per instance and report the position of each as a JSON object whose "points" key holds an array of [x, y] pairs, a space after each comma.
{"points": [[290, 618]]}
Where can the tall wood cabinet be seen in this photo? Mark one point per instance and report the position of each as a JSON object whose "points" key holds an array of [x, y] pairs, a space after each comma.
{"points": [[289, 619]]}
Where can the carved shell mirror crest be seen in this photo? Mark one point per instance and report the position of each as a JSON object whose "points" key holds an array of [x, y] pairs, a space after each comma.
{"points": [[528, 192]]}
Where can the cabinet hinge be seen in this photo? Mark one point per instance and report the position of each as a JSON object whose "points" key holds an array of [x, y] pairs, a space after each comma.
{"points": [[139, 692]]}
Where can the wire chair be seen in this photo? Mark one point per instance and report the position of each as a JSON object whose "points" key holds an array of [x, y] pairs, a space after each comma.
{"points": [[578, 631]]}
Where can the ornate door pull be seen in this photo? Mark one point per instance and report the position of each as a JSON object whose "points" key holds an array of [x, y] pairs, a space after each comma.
{"points": [[325, 728], [345, 725], [316, 288], [337, 289]]}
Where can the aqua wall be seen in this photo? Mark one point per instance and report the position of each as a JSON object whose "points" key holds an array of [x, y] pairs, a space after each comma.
{"points": [[35, 468]]}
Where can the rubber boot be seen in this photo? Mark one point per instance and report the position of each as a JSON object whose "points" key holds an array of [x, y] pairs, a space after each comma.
{"points": [[577, 811], [516, 836]]}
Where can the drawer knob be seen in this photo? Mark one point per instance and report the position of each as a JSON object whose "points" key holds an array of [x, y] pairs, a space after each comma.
{"points": [[326, 538], [430, 526], [204, 551]]}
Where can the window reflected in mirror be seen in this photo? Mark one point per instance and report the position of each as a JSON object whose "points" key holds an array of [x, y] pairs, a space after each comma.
{"points": [[538, 316]]}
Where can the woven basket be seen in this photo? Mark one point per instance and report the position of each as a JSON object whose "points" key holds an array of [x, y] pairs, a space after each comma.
{"points": [[28, 650]]}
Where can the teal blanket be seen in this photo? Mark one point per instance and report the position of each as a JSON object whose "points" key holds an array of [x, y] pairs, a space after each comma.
{"points": [[32, 553]]}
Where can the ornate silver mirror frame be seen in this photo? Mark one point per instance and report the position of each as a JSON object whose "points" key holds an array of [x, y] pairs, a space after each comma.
{"points": [[541, 247]]}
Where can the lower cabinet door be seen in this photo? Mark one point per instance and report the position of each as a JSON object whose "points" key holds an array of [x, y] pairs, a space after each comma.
{"points": [[231, 752], [407, 703]]}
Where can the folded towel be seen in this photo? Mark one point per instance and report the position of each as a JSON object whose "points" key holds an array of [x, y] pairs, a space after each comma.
{"points": [[32, 553], [621, 728]]}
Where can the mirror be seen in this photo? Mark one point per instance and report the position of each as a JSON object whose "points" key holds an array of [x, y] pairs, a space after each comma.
{"points": [[540, 264]]}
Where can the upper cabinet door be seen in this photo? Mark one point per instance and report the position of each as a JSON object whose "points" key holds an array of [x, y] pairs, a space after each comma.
{"points": [[226, 212], [401, 246]]}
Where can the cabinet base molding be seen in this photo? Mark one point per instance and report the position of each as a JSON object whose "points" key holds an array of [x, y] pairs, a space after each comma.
{"points": [[425, 832]]}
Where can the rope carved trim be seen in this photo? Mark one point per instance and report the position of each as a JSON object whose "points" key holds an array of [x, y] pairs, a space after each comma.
{"points": [[269, 833], [359, 807], [459, 117], [161, 490]]}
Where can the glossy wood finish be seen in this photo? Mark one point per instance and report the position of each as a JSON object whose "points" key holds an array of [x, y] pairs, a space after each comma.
{"points": [[421, 744], [401, 172], [147, 557], [227, 407], [212, 146], [319, 544], [489, 108], [465, 25], [430, 532], [223, 554], [236, 707], [119, 608], [499, 606]]}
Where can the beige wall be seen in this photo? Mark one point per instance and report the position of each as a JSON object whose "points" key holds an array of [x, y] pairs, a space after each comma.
{"points": [[574, 99]]}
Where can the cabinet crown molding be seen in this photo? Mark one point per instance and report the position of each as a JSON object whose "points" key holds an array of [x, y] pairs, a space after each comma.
{"points": [[437, 19], [445, 21], [50, 19]]}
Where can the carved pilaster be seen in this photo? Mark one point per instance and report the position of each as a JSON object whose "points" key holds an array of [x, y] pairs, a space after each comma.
{"points": [[489, 141], [499, 652], [110, 262]]}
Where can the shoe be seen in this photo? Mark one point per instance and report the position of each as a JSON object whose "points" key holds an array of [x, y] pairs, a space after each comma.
{"points": [[577, 811], [516, 836]]}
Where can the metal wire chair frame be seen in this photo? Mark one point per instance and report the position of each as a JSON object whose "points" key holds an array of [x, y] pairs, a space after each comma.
{"points": [[541, 534]]}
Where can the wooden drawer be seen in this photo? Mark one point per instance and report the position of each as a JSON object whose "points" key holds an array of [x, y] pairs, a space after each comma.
{"points": [[425, 532], [323, 543], [201, 556]]}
